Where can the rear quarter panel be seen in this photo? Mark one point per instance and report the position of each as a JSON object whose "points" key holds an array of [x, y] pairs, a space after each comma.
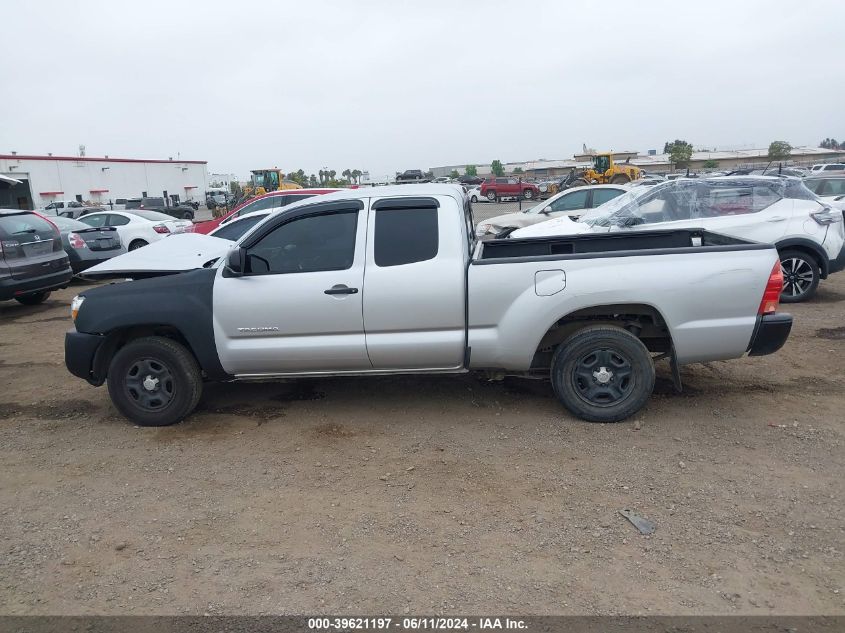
{"points": [[709, 301]]}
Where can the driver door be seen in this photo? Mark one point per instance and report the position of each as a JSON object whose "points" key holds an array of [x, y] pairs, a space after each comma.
{"points": [[297, 308]]}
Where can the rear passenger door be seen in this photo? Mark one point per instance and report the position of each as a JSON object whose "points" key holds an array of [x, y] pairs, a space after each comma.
{"points": [[414, 284]]}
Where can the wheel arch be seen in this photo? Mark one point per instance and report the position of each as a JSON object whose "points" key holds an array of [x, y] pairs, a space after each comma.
{"points": [[809, 247], [643, 320]]}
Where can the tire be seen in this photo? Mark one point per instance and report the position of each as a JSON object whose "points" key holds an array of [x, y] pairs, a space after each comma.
{"points": [[474, 198], [528, 194], [136, 244], [620, 179], [587, 388], [154, 381], [33, 299], [801, 276], [491, 196], [187, 215]]}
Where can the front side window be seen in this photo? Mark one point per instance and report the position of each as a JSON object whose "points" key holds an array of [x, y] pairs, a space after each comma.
{"points": [[309, 244], [574, 201], [405, 236], [96, 220]]}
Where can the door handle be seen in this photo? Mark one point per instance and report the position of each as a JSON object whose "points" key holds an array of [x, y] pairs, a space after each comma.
{"points": [[777, 218], [340, 289]]}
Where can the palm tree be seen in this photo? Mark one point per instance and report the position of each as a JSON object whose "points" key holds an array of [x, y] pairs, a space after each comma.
{"points": [[321, 176], [356, 174], [346, 173]]}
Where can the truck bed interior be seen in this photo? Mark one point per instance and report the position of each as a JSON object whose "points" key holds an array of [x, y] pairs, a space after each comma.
{"points": [[611, 244]]}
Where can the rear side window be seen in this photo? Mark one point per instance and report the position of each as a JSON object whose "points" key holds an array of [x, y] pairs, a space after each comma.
{"points": [[117, 220], [96, 220], [235, 230], [405, 236], [600, 196], [260, 205]]}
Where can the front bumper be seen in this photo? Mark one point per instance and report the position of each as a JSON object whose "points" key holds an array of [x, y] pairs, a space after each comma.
{"points": [[770, 334], [80, 350]]}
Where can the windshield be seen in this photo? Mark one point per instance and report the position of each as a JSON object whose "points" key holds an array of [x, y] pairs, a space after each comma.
{"points": [[685, 199]]}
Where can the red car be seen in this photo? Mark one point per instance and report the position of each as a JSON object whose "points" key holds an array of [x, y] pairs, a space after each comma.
{"points": [[272, 200], [495, 188]]}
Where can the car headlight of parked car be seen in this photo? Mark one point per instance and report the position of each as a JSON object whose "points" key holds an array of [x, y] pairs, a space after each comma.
{"points": [[75, 304]]}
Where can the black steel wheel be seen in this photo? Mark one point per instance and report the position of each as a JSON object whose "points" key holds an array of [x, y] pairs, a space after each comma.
{"points": [[800, 276], [154, 381], [602, 374]]}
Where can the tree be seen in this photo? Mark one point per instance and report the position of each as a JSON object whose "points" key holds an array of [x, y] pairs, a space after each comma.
{"points": [[356, 175], [471, 170], [779, 150], [347, 173], [497, 168], [830, 143], [679, 152], [710, 164], [518, 170], [454, 174], [322, 176], [312, 180]]}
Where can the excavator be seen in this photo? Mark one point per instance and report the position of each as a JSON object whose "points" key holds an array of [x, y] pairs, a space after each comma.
{"points": [[266, 180], [603, 171]]}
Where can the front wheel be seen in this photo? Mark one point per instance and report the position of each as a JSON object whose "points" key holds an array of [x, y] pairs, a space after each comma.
{"points": [[528, 194], [187, 215], [474, 198], [154, 381], [491, 196], [800, 276], [620, 179], [33, 299], [602, 374]]}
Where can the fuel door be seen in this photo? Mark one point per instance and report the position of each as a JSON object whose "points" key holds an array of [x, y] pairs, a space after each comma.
{"points": [[549, 282]]}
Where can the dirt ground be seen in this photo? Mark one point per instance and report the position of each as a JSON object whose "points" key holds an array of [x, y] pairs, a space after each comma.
{"points": [[426, 494]]}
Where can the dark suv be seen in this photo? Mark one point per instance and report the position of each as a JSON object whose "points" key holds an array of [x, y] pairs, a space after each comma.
{"points": [[32, 259], [183, 210]]}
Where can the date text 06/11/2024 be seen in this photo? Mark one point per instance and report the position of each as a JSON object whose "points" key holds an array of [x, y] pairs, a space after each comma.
{"points": [[415, 624]]}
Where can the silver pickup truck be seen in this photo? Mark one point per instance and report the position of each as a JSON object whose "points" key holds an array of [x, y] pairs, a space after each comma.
{"points": [[392, 281]]}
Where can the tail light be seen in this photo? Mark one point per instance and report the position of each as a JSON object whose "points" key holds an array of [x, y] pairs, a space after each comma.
{"points": [[76, 241], [771, 295], [57, 234], [161, 228]]}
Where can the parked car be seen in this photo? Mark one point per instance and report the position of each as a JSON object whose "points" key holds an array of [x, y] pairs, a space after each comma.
{"points": [[410, 175], [72, 212], [32, 260], [289, 300], [58, 205], [138, 227], [496, 188], [808, 233], [474, 195], [570, 202], [826, 167], [470, 180], [829, 188], [87, 246], [272, 200]]}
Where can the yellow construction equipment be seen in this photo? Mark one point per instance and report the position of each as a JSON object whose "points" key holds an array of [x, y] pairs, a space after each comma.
{"points": [[267, 180], [604, 171]]}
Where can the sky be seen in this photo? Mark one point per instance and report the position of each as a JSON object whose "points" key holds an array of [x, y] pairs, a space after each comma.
{"points": [[384, 86]]}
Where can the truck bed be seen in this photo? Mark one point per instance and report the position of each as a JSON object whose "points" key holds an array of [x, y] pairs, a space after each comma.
{"points": [[623, 244]]}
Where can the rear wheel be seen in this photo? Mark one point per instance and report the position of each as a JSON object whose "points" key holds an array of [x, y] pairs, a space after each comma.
{"points": [[528, 194], [187, 215], [491, 196], [620, 179], [474, 198], [136, 244], [154, 381], [33, 299], [602, 374], [800, 276]]}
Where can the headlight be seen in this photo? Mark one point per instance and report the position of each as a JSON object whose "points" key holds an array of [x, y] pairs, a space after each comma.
{"points": [[75, 304]]}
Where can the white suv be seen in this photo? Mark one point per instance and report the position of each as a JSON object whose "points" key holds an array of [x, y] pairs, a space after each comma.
{"points": [[808, 233]]}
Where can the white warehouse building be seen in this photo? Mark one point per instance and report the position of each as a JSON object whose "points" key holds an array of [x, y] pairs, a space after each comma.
{"points": [[44, 179]]}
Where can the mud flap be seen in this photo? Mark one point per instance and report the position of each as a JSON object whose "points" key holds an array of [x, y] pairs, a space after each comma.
{"points": [[676, 372]]}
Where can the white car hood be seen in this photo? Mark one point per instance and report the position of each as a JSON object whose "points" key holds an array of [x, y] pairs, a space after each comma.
{"points": [[557, 226], [174, 254], [514, 219]]}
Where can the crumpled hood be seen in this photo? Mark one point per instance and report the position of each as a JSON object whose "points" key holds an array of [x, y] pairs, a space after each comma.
{"points": [[173, 254], [557, 226], [518, 220]]}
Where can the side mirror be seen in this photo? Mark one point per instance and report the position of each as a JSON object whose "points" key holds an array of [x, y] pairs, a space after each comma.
{"points": [[236, 261], [546, 211]]}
